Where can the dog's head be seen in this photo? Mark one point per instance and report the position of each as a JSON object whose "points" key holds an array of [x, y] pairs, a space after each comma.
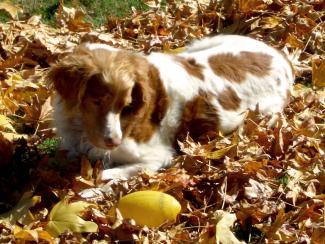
{"points": [[111, 90]]}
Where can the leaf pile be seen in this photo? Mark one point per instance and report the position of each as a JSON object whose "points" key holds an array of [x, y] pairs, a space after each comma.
{"points": [[257, 185]]}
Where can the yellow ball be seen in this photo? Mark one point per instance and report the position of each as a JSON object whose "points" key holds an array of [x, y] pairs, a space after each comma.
{"points": [[150, 208]]}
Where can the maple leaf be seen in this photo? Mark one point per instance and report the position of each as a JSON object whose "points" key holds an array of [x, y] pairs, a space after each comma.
{"points": [[72, 18], [65, 216]]}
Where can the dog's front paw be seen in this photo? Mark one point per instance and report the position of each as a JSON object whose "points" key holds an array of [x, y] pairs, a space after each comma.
{"points": [[114, 174]]}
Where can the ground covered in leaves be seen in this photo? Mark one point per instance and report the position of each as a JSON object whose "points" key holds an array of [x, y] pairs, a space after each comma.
{"points": [[256, 185]]}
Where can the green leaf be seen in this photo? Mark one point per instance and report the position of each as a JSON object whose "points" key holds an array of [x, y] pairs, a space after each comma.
{"points": [[65, 216]]}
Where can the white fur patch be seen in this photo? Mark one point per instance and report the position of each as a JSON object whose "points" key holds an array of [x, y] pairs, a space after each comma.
{"points": [[113, 125]]}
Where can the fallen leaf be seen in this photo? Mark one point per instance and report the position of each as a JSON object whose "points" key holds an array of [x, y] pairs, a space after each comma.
{"points": [[35, 235], [257, 190], [13, 136], [318, 235], [6, 123], [218, 153], [225, 221], [20, 213], [318, 73], [12, 9], [65, 216], [276, 225], [72, 18]]}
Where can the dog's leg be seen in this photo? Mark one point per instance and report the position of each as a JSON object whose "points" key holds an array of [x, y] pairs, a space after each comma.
{"points": [[149, 158]]}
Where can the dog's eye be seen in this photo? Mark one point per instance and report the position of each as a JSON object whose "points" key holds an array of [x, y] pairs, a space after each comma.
{"points": [[127, 110]]}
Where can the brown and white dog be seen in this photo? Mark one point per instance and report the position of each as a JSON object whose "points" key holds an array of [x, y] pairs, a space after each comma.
{"points": [[129, 109]]}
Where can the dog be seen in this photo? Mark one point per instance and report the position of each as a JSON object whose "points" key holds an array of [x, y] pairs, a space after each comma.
{"points": [[129, 109]]}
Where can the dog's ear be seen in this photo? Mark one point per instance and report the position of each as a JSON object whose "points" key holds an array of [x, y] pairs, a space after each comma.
{"points": [[161, 97], [70, 75]]}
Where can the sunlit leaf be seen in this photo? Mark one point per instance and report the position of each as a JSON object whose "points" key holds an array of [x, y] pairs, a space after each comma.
{"points": [[12, 9], [66, 216], [35, 235], [218, 153], [225, 221], [10, 136], [318, 72], [20, 213], [6, 123]]}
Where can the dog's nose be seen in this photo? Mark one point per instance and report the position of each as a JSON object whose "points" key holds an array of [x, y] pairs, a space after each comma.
{"points": [[112, 141]]}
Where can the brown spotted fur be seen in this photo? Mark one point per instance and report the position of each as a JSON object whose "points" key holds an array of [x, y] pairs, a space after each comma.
{"points": [[191, 66], [198, 118], [229, 99], [235, 68]]}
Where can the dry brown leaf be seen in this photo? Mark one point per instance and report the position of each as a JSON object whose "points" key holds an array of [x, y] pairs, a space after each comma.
{"points": [[318, 235], [288, 157], [271, 232], [72, 18], [257, 190], [247, 6], [318, 73], [293, 42]]}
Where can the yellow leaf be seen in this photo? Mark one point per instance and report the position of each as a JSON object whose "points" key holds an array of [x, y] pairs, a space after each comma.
{"points": [[299, 89], [5, 123], [13, 136], [175, 51], [248, 6], [225, 221], [12, 10], [33, 235], [17, 81], [65, 216], [294, 42], [21, 211], [217, 154], [318, 73], [271, 22]]}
